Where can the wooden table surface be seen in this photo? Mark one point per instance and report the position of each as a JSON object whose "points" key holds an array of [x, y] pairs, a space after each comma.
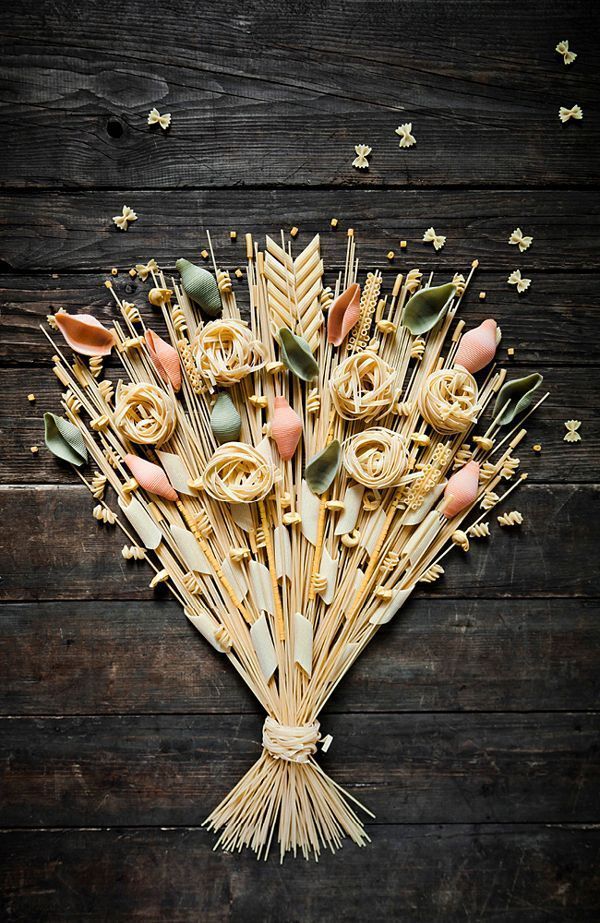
{"points": [[471, 726]]}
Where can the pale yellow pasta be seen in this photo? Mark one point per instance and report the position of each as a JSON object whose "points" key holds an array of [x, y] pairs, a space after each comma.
{"points": [[238, 473], [362, 387], [514, 518], [376, 457], [448, 400], [103, 514], [144, 414], [226, 351]]}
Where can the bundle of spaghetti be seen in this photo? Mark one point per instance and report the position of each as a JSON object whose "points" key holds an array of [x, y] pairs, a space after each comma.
{"points": [[290, 499]]}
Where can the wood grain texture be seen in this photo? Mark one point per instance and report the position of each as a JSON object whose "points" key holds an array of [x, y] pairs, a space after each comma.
{"points": [[70, 658], [173, 769], [81, 558], [522, 873], [75, 232], [256, 102]]}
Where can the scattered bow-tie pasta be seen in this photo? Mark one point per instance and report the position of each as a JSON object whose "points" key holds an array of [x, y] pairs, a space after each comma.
{"points": [[407, 138], [123, 220], [572, 434], [563, 49], [290, 476], [517, 238], [517, 279], [565, 115], [430, 237], [155, 118], [362, 152]]}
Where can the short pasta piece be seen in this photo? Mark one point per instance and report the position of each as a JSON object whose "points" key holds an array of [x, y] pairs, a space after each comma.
{"points": [[514, 518]]}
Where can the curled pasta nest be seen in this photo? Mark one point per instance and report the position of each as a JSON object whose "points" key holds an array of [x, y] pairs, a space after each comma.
{"points": [[376, 457], [226, 351], [362, 387], [448, 400], [238, 473], [144, 413]]}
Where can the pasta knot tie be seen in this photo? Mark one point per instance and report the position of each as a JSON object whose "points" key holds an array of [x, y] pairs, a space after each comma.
{"points": [[293, 744]]}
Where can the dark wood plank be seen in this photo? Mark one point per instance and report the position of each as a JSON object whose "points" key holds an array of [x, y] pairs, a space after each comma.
{"points": [[21, 423], [56, 550], [75, 231], [173, 769], [254, 106], [499, 873], [441, 655], [550, 325]]}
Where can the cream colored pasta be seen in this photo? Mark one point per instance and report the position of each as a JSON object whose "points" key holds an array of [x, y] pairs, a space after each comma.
{"points": [[238, 473], [448, 400], [145, 414], [226, 351], [376, 457], [362, 387]]}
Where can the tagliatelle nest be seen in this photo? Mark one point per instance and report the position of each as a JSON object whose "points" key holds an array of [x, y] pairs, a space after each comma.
{"points": [[362, 387], [448, 400], [145, 414], [226, 351], [376, 457], [238, 473]]}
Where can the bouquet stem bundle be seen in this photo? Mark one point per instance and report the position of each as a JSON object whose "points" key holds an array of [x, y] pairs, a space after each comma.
{"points": [[292, 478]]}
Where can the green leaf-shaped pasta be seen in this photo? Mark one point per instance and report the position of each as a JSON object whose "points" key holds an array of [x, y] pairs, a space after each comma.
{"points": [[323, 467], [427, 307], [200, 286], [225, 420], [517, 395], [64, 440], [297, 355]]}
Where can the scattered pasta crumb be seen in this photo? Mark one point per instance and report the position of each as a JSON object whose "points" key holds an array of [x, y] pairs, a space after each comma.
{"points": [[204, 254], [537, 447], [403, 245], [517, 238], [572, 434], [575, 112], [362, 151], [31, 397], [154, 118], [563, 49], [132, 273], [482, 296], [514, 518], [123, 220], [34, 449], [294, 232], [114, 271], [510, 351], [517, 279], [430, 237], [390, 254], [239, 273], [407, 138], [233, 235], [333, 223]]}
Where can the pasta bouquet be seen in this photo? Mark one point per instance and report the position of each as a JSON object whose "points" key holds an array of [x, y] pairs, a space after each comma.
{"points": [[292, 467]]}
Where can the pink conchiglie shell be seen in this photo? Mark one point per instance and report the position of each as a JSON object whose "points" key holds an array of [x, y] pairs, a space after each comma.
{"points": [[286, 428], [165, 359], [85, 334], [151, 477], [343, 314], [461, 489], [477, 347]]}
